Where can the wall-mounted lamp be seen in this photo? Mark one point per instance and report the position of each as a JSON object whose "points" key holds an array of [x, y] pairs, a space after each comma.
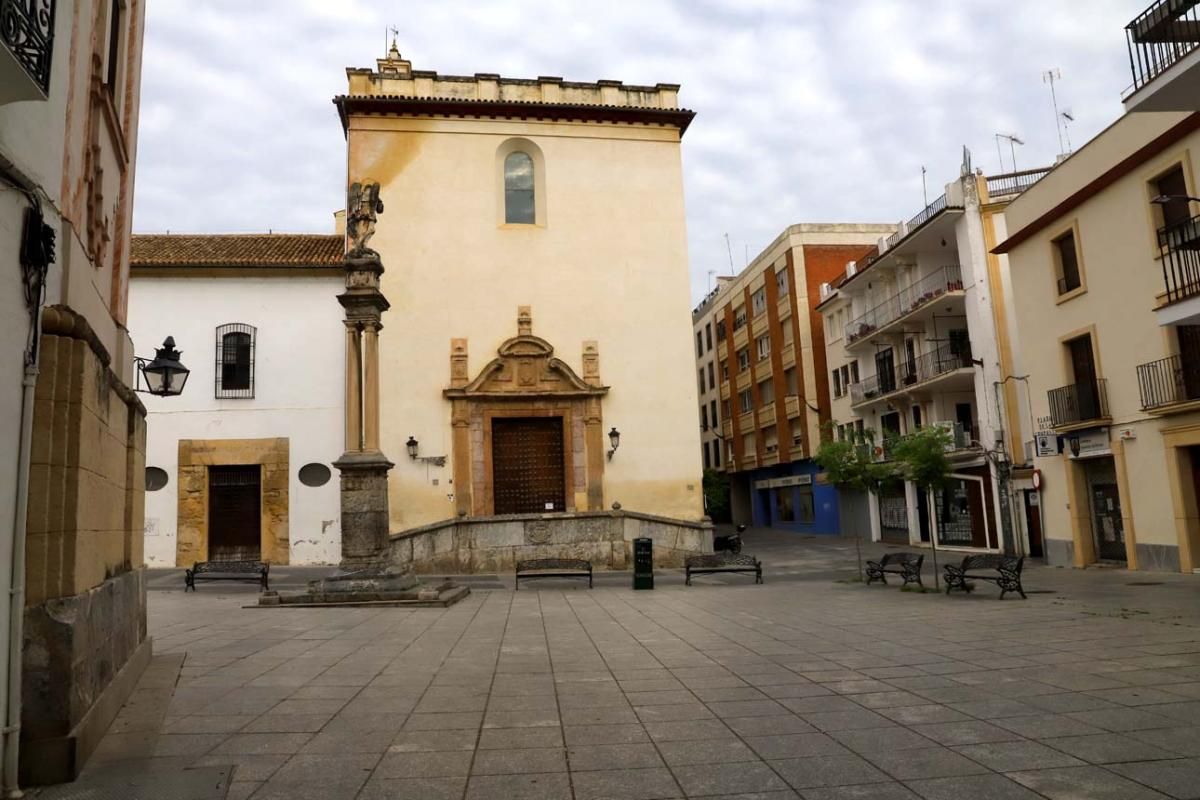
{"points": [[614, 438], [414, 447], [164, 375], [1074, 442]]}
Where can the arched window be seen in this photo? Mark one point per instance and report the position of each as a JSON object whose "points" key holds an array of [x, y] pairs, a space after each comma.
{"points": [[519, 208], [235, 360]]}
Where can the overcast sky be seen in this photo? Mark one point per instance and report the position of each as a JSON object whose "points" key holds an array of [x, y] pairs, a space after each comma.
{"points": [[808, 110]]}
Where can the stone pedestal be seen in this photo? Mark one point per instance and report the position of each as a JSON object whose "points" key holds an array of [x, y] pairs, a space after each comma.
{"points": [[364, 508]]}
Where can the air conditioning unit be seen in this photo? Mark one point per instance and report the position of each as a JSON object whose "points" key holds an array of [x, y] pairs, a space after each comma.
{"points": [[851, 269], [771, 448]]}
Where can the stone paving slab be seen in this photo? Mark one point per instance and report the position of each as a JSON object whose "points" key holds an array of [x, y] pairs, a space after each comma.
{"points": [[804, 687]]}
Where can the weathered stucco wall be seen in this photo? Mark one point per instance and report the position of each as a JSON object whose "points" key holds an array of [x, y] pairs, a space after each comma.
{"points": [[607, 262], [495, 544], [299, 361]]}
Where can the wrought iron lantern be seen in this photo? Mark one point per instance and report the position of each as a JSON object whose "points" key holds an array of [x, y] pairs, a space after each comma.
{"points": [[413, 446], [165, 375], [614, 438], [1073, 441]]}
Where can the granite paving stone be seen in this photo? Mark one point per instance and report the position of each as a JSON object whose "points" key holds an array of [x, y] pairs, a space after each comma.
{"points": [[827, 770], [972, 787], [929, 762], [627, 784], [714, 779], [730, 690], [1179, 778], [1093, 783]]}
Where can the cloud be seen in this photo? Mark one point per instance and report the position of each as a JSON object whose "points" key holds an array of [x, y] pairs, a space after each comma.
{"points": [[808, 111]]}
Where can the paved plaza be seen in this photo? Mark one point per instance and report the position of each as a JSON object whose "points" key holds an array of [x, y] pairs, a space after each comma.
{"points": [[809, 686]]}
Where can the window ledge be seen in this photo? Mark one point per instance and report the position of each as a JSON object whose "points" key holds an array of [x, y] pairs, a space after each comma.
{"points": [[1071, 295]]}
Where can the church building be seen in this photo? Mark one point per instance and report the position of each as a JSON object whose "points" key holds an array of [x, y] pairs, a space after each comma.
{"points": [[536, 355]]}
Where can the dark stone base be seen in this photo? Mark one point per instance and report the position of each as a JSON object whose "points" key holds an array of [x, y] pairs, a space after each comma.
{"points": [[1158, 557], [365, 592], [364, 508], [82, 659]]}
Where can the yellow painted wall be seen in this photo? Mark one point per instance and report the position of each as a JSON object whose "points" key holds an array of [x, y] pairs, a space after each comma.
{"points": [[1123, 277], [608, 263]]}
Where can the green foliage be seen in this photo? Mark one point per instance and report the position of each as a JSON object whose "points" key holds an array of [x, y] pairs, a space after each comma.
{"points": [[850, 463], [921, 456], [716, 495]]}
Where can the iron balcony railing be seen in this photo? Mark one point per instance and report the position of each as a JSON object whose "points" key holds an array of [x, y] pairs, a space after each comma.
{"points": [[27, 30], [1168, 381], [1180, 248], [1160, 37], [1077, 403], [945, 358], [1014, 182], [931, 287]]}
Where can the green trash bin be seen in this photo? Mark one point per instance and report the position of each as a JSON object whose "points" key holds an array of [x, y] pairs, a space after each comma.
{"points": [[643, 563]]}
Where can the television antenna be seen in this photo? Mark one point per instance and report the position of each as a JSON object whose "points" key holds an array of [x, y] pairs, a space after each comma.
{"points": [[729, 248], [1067, 118], [1050, 76], [924, 188], [1013, 140]]}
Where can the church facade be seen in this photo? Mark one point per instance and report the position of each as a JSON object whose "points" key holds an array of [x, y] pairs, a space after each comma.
{"points": [[535, 358]]}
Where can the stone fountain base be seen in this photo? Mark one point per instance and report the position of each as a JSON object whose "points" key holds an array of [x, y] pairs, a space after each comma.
{"points": [[378, 585]]}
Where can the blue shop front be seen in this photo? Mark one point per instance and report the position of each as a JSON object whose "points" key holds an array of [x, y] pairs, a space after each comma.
{"points": [[792, 497]]}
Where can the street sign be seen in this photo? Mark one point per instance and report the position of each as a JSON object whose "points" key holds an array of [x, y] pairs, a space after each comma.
{"points": [[1047, 444]]}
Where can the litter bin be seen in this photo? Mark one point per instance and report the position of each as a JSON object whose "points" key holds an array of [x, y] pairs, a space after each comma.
{"points": [[643, 563]]}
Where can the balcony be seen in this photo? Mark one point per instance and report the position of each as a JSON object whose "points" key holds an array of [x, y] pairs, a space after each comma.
{"points": [[1080, 405], [1013, 183], [904, 304], [1179, 245], [1169, 385], [788, 356], [766, 414], [921, 372], [791, 404], [27, 33], [1164, 57]]}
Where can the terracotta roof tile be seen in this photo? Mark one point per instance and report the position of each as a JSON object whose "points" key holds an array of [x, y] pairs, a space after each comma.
{"points": [[237, 250]]}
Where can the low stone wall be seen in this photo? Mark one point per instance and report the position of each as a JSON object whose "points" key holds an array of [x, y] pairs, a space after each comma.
{"points": [[75, 651], [495, 544]]}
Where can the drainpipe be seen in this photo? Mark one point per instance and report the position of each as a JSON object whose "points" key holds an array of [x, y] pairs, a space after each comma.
{"points": [[12, 725], [12, 539]]}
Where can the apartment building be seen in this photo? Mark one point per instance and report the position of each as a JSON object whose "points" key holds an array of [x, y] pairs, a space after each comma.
{"points": [[919, 333], [760, 366], [1106, 280]]}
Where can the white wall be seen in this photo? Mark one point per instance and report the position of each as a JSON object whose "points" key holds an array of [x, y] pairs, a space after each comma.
{"points": [[299, 368]]}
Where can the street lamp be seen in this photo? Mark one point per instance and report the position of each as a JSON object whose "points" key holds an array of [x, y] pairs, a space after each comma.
{"points": [[614, 438], [164, 376], [1164, 199], [412, 444]]}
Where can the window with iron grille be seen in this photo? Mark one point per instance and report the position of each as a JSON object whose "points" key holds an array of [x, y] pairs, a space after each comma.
{"points": [[235, 360]]}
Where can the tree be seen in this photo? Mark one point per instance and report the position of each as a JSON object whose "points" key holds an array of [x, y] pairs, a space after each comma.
{"points": [[716, 495], [921, 458], [850, 464]]}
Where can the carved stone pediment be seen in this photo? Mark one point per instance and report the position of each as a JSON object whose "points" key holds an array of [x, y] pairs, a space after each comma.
{"points": [[525, 366]]}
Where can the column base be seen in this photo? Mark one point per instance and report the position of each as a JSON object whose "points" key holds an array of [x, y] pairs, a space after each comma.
{"points": [[364, 507]]}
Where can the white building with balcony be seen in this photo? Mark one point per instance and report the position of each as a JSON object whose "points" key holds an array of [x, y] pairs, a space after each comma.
{"points": [[919, 333]]}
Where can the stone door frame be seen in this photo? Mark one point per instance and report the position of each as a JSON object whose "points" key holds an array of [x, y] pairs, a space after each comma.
{"points": [[195, 457], [526, 380]]}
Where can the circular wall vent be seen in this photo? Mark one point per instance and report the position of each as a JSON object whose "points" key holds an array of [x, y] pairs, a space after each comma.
{"points": [[315, 474]]}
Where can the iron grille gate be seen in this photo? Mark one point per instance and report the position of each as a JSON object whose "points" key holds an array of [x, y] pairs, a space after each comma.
{"points": [[527, 465], [234, 513]]}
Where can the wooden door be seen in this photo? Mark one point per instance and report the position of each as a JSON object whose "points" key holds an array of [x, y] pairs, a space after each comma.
{"points": [[1033, 523], [235, 513], [1083, 364], [1189, 361], [527, 465]]}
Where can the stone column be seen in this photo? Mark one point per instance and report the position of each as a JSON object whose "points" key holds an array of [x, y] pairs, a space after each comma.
{"points": [[354, 437], [364, 468], [371, 386]]}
